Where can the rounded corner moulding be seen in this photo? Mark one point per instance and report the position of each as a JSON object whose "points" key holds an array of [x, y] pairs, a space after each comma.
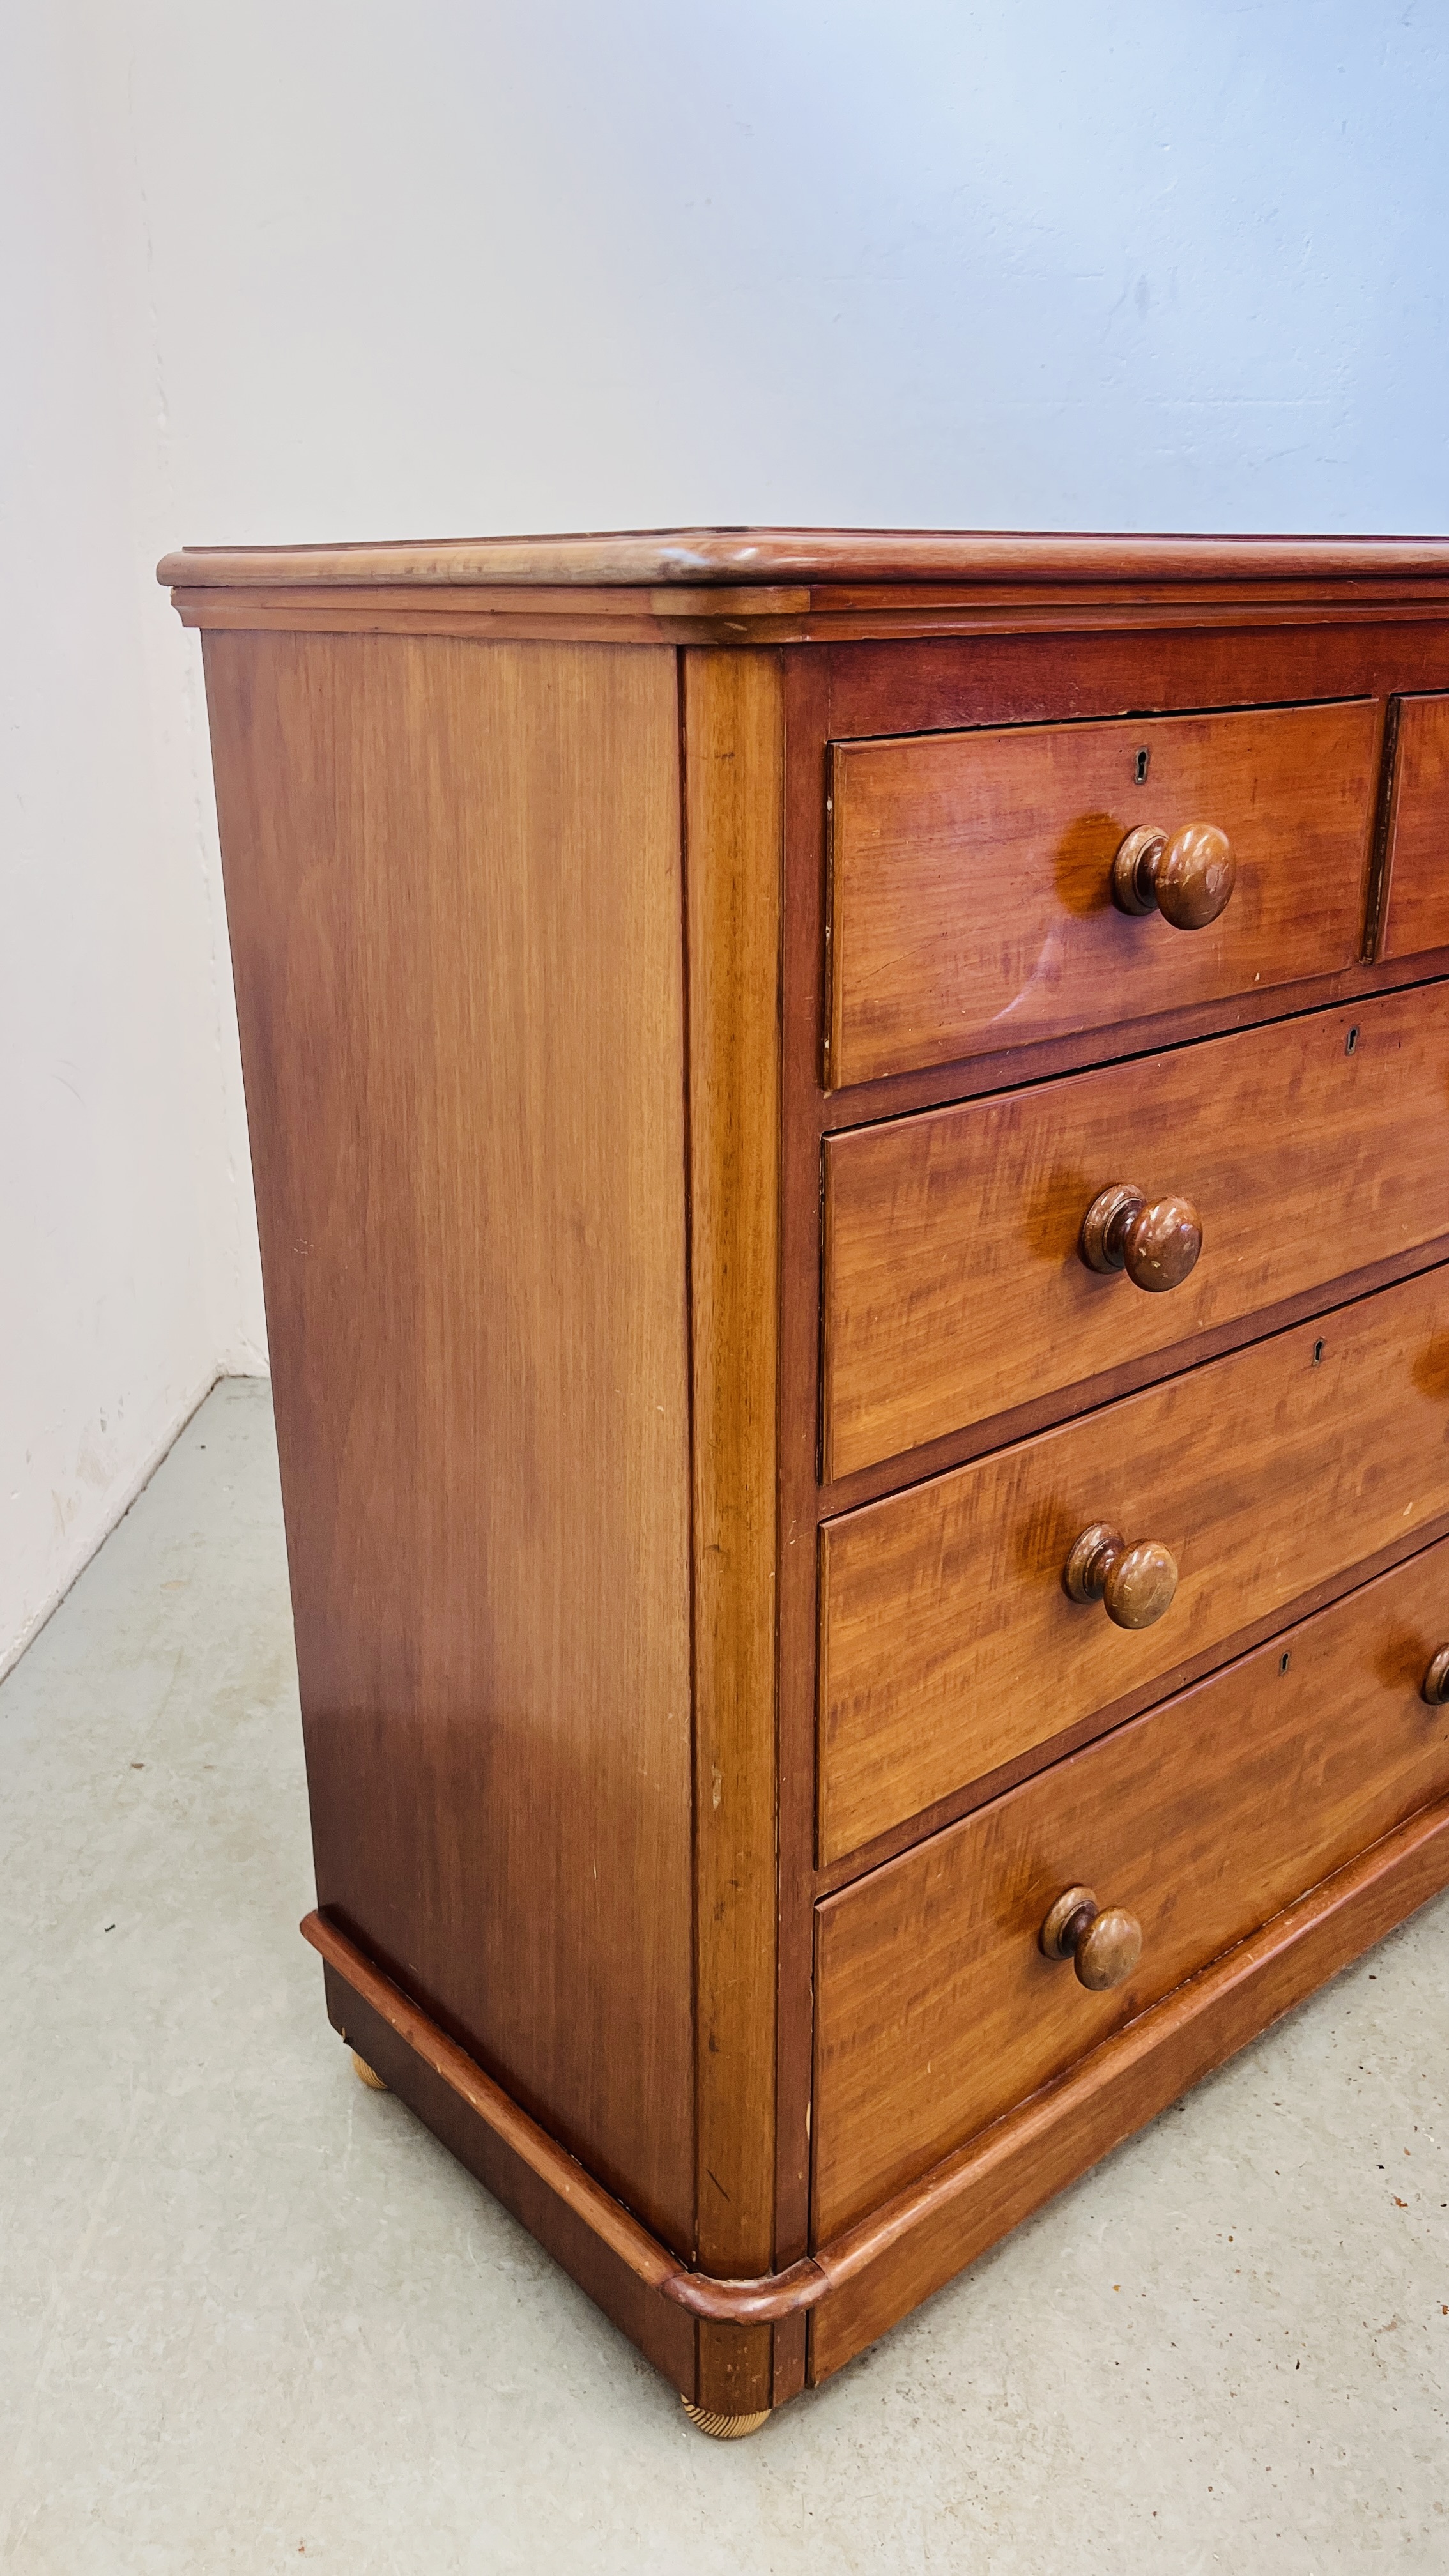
{"points": [[742, 2302], [694, 559], [1389, 1879]]}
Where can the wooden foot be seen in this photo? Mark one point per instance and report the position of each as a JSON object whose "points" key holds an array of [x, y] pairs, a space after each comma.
{"points": [[724, 2428], [365, 2075]]}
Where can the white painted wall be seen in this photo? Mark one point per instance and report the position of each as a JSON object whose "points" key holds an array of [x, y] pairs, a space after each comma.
{"points": [[128, 1267], [300, 269]]}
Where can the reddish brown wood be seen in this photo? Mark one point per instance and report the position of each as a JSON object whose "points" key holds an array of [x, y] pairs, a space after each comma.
{"points": [[938, 685], [753, 555], [724, 616], [639, 2283], [1188, 878], [1416, 894], [795, 586], [1155, 1242], [971, 876], [974, 1077], [625, 2282], [507, 616], [525, 2140], [960, 2205], [1068, 1404], [1136, 1584], [398, 2034], [1105, 1954], [1306, 1148], [1103, 1944], [1434, 1688], [807, 731], [534, 1030], [453, 882], [936, 2008], [948, 1641], [734, 757], [980, 1792], [734, 751], [910, 2247]]}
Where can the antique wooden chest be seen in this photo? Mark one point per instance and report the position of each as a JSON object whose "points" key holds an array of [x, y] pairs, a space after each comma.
{"points": [[850, 1143]]}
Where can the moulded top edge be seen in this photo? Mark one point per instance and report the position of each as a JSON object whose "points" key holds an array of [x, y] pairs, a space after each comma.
{"points": [[692, 557]]}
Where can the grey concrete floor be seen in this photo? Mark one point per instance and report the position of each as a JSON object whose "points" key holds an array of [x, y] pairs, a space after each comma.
{"points": [[254, 2317]]}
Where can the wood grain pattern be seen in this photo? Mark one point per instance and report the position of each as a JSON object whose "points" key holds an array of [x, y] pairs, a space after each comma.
{"points": [[1021, 2158], [1104, 1949], [807, 728], [990, 1785], [753, 555], [488, 613], [948, 1643], [869, 2275], [936, 2010], [970, 877], [1189, 878], [954, 1286], [533, 1038], [393, 2011], [726, 616], [911, 2246], [453, 881], [1154, 1242], [1136, 1585], [939, 685], [733, 766], [1416, 895]]}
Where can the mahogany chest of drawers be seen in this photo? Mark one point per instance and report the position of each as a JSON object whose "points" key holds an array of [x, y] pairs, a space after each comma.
{"points": [[850, 1145]]}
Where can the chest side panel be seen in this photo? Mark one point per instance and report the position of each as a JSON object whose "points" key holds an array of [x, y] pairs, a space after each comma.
{"points": [[454, 886]]}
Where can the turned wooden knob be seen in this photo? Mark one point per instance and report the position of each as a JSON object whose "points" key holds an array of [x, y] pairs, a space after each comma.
{"points": [[1103, 1948], [1188, 879], [1435, 1685], [1156, 1242], [1135, 1585]]}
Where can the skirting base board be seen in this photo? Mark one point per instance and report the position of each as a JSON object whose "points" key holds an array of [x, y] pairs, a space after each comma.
{"points": [[865, 2280]]}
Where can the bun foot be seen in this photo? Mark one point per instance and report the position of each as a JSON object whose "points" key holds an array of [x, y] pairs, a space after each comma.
{"points": [[724, 2428], [365, 2075]]}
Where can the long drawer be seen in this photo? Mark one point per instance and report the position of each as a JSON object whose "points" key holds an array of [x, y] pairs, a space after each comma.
{"points": [[948, 1642], [936, 2010], [955, 1282], [971, 903]]}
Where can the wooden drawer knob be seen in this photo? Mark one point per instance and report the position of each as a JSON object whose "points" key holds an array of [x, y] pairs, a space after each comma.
{"points": [[1155, 1241], [1135, 1585], [1435, 1685], [1188, 879], [1103, 1948]]}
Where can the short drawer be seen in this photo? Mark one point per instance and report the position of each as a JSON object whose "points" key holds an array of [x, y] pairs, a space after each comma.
{"points": [[949, 1645], [955, 1281], [1416, 891], [935, 2008], [971, 874]]}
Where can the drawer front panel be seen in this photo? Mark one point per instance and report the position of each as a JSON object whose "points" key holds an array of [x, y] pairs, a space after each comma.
{"points": [[936, 2010], [954, 1282], [948, 1642], [970, 875], [1417, 914]]}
